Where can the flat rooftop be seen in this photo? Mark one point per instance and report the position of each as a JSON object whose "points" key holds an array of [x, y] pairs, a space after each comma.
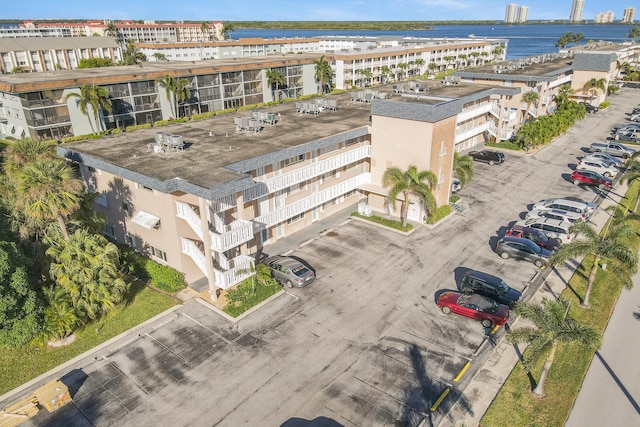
{"points": [[213, 144], [541, 65]]}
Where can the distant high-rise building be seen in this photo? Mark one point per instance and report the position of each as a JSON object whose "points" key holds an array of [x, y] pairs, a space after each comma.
{"points": [[576, 10], [523, 11], [604, 17], [629, 14], [510, 14]]}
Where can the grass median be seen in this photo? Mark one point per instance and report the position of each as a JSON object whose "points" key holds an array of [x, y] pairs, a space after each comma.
{"points": [[514, 404]]}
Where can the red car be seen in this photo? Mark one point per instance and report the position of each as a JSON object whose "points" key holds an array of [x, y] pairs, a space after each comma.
{"points": [[475, 306], [582, 176]]}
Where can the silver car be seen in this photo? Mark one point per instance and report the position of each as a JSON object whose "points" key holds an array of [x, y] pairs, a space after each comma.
{"points": [[289, 271]]}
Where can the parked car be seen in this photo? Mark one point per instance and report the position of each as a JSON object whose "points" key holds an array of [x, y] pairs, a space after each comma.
{"points": [[597, 166], [582, 176], [590, 108], [523, 249], [536, 236], [567, 204], [553, 228], [614, 148], [605, 158], [626, 126], [475, 306], [489, 286], [456, 185], [289, 271], [555, 214], [487, 156]]}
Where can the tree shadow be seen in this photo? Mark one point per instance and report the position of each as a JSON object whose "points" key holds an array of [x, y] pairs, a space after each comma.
{"points": [[624, 390], [532, 381]]}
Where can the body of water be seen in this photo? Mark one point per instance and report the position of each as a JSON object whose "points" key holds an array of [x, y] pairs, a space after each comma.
{"points": [[524, 40]]}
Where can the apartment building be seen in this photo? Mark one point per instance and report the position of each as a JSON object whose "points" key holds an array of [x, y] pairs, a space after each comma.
{"points": [[604, 17], [510, 13], [206, 197], [629, 15], [523, 13], [576, 11], [54, 53]]}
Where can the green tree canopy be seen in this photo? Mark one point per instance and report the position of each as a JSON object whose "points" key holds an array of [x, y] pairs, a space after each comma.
{"points": [[324, 73], [95, 63], [405, 183], [92, 98], [462, 167]]}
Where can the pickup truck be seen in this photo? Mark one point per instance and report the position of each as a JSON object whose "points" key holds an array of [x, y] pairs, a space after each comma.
{"points": [[612, 148]]}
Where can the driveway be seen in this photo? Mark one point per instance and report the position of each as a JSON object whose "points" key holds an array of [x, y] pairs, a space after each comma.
{"points": [[365, 344]]}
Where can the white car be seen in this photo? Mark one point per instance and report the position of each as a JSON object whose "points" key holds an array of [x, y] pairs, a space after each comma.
{"points": [[567, 204], [553, 228], [555, 214], [605, 158], [456, 185], [598, 166]]}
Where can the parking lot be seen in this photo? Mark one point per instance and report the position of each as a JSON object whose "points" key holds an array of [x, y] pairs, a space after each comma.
{"points": [[364, 345]]}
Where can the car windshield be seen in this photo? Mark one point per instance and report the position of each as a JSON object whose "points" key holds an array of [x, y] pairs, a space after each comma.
{"points": [[300, 270], [502, 287]]}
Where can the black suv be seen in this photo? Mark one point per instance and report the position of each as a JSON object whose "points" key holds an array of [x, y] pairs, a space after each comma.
{"points": [[590, 108], [488, 156], [489, 286]]}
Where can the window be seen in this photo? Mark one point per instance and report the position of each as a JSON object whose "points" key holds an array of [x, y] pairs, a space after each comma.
{"points": [[130, 240], [292, 160], [443, 149], [157, 253], [109, 231], [295, 218], [295, 188], [102, 200]]}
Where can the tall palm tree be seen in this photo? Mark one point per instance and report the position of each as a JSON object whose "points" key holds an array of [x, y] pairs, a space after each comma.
{"points": [[634, 34], [462, 167], [60, 317], [433, 67], [275, 77], [409, 182], [203, 28], [112, 30], [131, 54], [227, 28], [385, 72], [497, 51], [595, 86], [419, 63], [403, 66], [94, 98], [181, 91], [87, 267], [564, 40], [366, 76], [610, 246], [176, 90], [530, 97], [48, 190], [552, 325], [324, 73], [577, 37], [563, 95]]}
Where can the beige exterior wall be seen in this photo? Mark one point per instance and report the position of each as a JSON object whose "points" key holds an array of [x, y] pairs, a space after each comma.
{"points": [[580, 78]]}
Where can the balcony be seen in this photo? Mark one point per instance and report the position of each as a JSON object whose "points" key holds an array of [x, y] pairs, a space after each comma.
{"points": [[239, 269], [463, 136], [317, 199], [186, 212], [189, 247], [475, 112], [495, 110], [299, 175], [236, 233]]}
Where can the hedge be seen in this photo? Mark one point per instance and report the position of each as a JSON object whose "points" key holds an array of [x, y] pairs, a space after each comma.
{"points": [[159, 276], [391, 223], [438, 214], [136, 127]]}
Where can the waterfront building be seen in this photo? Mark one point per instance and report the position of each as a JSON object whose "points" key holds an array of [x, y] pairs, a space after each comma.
{"points": [[54, 53], [510, 13], [629, 14], [576, 11], [523, 11], [15, 32], [604, 17]]}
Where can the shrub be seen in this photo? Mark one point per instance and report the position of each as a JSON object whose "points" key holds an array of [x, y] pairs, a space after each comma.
{"points": [[202, 116], [391, 223], [605, 104], [159, 276], [438, 214], [454, 198], [251, 291], [136, 127]]}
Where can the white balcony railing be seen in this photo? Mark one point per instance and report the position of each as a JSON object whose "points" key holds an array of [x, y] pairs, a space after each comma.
{"points": [[236, 233], [190, 248], [463, 136], [289, 211], [475, 112], [510, 117], [561, 81], [241, 270], [493, 129], [495, 110], [186, 212], [533, 111], [302, 174]]}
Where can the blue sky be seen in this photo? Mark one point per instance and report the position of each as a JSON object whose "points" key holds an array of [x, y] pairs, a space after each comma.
{"points": [[301, 10]]}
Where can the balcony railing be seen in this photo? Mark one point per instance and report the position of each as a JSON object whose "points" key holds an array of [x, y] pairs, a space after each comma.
{"points": [[186, 212], [495, 110], [241, 270], [300, 175], [237, 233], [317, 199], [475, 112], [190, 248], [463, 136], [223, 203]]}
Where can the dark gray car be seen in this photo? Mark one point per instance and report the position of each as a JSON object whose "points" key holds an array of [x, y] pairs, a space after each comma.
{"points": [[489, 286], [517, 248], [290, 272]]}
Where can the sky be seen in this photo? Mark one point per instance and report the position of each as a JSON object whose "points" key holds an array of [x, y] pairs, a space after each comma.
{"points": [[302, 10]]}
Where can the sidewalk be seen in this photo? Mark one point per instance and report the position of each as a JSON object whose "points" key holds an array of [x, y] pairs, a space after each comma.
{"points": [[488, 379]]}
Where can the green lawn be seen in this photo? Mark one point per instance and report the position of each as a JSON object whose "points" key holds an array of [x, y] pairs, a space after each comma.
{"points": [[18, 366], [514, 405]]}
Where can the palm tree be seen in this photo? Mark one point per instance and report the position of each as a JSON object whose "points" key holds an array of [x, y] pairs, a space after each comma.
{"points": [[366, 75], [324, 73], [631, 175], [634, 34], [497, 51], [403, 66], [563, 95], [226, 29], [181, 91], [87, 267], [433, 67], [60, 318], [595, 85], [530, 97], [47, 189], [462, 167], [275, 77], [203, 28], [95, 98], [610, 246], [406, 183], [564, 40], [112, 30], [18, 70], [176, 90], [419, 63], [160, 56], [577, 37], [385, 71], [131, 54], [552, 325]]}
